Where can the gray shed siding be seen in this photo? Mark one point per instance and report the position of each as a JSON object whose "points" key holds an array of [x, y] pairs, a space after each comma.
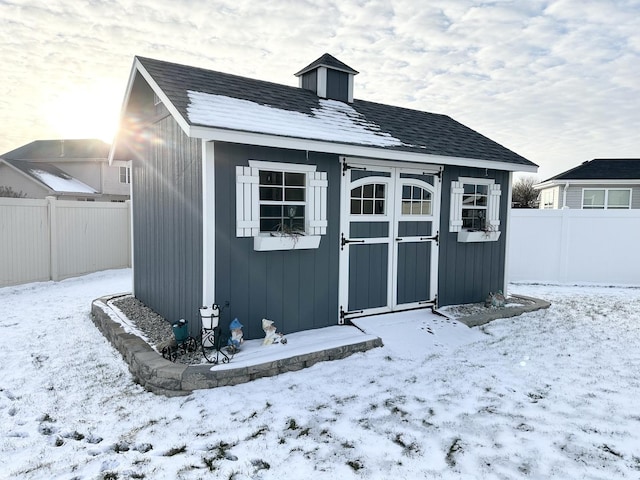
{"points": [[167, 224], [297, 289], [467, 272]]}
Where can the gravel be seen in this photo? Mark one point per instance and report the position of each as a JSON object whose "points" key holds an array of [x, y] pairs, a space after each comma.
{"points": [[156, 328]]}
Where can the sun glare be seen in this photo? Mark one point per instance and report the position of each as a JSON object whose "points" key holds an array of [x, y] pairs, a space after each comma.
{"points": [[90, 111]]}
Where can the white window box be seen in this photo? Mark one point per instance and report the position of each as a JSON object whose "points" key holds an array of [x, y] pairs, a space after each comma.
{"points": [[274, 241], [468, 236]]}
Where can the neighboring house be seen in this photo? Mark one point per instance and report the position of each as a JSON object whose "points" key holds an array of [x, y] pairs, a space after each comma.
{"points": [[66, 169], [602, 183], [304, 205]]}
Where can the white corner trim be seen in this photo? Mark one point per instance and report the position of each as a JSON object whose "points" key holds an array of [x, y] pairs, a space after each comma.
{"points": [[322, 82], [209, 217]]}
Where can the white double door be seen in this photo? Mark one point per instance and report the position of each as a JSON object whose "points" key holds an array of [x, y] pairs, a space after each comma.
{"points": [[389, 238]]}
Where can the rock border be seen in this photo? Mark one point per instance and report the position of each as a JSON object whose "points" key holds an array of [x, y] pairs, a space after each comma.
{"points": [[161, 376], [504, 312]]}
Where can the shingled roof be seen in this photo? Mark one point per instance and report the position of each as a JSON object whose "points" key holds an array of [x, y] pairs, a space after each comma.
{"points": [[51, 177], [60, 149], [207, 98], [603, 169]]}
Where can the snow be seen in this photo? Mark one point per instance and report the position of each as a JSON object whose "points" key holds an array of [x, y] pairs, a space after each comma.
{"points": [[549, 394], [333, 121], [61, 184]]}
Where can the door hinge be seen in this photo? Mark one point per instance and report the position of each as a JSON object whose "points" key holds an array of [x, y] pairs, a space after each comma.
{"points": [[435, 238], [343, 316], [346, 167], [344, 241]]}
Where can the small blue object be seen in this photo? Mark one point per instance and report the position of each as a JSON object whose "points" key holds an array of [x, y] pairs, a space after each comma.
{"points": [[235, 324]]}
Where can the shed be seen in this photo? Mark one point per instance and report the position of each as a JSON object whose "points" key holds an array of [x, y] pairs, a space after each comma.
{"points": [[305, 205]]}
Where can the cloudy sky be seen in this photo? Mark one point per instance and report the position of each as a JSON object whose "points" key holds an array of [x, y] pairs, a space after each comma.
{"points": [[556, 81]]}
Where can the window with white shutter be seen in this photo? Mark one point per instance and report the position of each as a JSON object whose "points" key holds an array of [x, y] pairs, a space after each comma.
{"points": [[283, 206], [475, 209]]}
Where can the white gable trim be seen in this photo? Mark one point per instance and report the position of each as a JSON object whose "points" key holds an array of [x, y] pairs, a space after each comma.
{"points": [[265, 140]]}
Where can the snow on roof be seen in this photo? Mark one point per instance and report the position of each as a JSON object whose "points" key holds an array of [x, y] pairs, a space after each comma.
{"points": [[59, 183], [334, 121]]}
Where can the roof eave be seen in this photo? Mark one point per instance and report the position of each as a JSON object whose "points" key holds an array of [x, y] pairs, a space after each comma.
{"points": [[266, 140], [599, 181]]}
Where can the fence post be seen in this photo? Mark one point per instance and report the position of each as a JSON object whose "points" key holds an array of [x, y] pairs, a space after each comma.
{"points": [[54, 270], [565, 235]]}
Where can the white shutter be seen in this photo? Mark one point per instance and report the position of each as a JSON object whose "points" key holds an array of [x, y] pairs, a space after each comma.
{"points": [[247, 202], [493, 207], [455, 208], [316, 203]]}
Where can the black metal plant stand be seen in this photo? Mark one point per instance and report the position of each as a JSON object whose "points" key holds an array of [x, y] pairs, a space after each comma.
{"points": [[184, 342], [211, 340]]}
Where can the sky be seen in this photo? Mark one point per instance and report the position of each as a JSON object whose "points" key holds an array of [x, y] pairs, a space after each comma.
{"points": [[555, 81]]}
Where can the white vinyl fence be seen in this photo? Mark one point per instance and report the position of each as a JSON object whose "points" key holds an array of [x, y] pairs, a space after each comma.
{"points": [[574, 246], [55, 239]]}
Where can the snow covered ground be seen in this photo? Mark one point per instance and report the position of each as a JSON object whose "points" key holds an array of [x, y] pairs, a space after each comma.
{"points": [[550, 394]]}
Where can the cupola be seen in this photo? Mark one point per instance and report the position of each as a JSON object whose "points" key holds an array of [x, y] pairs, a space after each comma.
{"points": [[328, 78]]}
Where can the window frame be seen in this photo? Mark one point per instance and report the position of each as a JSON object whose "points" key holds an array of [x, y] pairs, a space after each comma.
{"points": [[491, 230], [249, 202], [605, 205], [127, 175]]}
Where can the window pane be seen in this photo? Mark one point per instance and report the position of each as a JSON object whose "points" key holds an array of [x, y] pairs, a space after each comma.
{"points": [[356, 207], [271, 211], [406, 192], [294, 194], [426, 208], [379, 207], [593, 198], [481, 201], [367, 191], [356, 192], [406, 208], [271, 193], [469, 200], [380, 190], [417, 193], [294, 179], [270, 178], [269, 225], [482, 189], [469, 189], [619, 198], [367, 207]]}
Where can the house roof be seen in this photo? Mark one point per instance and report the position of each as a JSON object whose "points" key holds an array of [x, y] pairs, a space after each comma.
{"points": [[48, 150], [602, 169], [51, 177], [330, 61], [201, 98]]}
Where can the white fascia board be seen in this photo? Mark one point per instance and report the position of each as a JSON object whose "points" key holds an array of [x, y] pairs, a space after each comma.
{"points": [[601, 182], [265, 140], [138, 68]]}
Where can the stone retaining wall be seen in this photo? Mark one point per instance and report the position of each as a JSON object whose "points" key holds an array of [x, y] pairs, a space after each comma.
{"points": [[161, 376]]}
